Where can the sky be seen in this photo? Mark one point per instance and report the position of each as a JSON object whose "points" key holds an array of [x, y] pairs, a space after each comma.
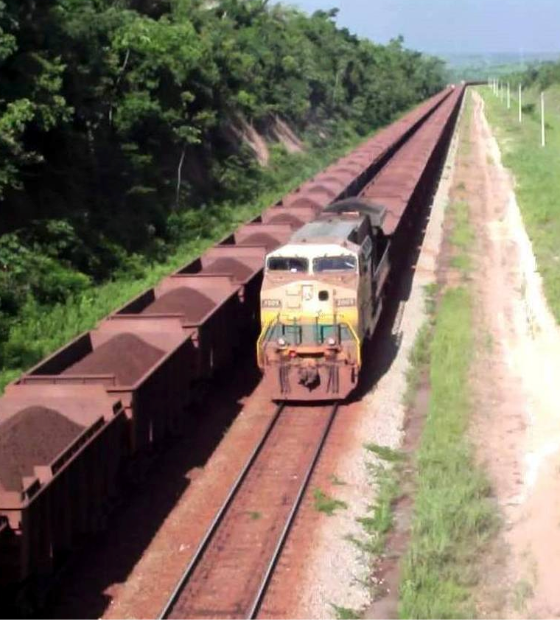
{"points": [[452, 26]]}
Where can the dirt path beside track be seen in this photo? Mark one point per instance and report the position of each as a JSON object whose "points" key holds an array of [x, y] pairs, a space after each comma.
{"points": [[516, 389]]}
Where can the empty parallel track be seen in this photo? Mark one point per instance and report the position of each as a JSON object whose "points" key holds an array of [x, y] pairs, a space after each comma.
{"points": [[229, 573]]}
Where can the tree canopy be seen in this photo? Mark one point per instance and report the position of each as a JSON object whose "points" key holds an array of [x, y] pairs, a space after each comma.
{"points": [[116, 115]]}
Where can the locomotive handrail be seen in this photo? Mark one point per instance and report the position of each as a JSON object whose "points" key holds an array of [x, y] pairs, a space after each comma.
{"points": [[262, 336], [358, 347]]}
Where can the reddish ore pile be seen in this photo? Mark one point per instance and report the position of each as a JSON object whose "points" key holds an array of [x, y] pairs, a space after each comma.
{"points": [[286, 218], [239, 270], [189, 302], [261, 239], [34, 436], [126, 356]]}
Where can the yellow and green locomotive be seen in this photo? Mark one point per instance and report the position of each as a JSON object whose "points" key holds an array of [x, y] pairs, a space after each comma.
{"points": [[321, 298]]}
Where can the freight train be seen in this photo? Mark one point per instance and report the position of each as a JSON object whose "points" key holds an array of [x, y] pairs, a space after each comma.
{"points": [[75, 425], [322, 292]]}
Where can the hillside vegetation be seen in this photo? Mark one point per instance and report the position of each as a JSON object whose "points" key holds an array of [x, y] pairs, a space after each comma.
{"points": [[124, 138]]}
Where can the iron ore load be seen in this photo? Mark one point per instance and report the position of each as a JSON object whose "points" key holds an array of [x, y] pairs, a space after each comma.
{"points": [[72, 427]]}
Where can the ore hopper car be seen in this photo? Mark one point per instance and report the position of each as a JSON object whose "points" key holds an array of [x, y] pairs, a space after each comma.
{"points": [[321, 297]]}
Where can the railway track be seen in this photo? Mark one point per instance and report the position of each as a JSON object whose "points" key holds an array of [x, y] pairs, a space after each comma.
{"points": [[229, 574], [230, 571]]}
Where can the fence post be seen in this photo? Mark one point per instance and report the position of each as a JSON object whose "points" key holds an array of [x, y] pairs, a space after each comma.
{"points": [[543, 136]]}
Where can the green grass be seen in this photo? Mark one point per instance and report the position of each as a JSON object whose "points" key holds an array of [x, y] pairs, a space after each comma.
{"points": [[386, 477], [522, 592], [536, 173], [419, 356], [40, 330], [345, 613], [379, 520], [453, 515], [462, 237], [327, 504], [384, 452], [465, 145], [338, 482]]}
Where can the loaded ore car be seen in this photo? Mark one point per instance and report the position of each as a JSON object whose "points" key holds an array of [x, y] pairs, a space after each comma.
{"points": [[61, 449]]}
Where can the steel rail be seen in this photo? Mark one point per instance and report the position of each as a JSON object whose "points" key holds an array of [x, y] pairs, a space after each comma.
{"points": [[201, 549], [257, 601]]}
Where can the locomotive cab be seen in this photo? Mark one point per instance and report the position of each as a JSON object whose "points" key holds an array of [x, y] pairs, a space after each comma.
{"points": [[318, 303]]}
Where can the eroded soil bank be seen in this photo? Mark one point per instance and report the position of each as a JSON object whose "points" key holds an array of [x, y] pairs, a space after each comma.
{"points": [[515, 387]]}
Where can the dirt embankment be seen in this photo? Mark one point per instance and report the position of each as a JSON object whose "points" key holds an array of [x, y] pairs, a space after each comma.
{"points": [[515, 389], [259, 139]]}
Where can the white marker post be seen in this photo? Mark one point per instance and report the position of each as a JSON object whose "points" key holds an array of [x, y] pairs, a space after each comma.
{"points": [[508, 97], [520, 107], [543, 136]]}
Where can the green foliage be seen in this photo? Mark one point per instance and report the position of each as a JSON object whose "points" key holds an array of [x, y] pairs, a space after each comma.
{"points": [[134, 100], [120, 125], [327, 504], [453, 515], [384, 452], [29, 331], [345, 613]]}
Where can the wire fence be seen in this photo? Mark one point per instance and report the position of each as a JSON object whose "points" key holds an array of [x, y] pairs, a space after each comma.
{"points": [[502, 90]]}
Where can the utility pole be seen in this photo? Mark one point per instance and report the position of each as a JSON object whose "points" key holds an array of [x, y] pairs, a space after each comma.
{"points": [[520, 107], [543, 136], [508, 97]]}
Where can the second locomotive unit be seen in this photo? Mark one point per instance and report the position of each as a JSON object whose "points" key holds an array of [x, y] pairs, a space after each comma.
{"points": [[321, 298]]}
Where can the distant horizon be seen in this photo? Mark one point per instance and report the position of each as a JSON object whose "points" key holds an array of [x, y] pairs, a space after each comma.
{"points": [[437, 27], [494, 53]]}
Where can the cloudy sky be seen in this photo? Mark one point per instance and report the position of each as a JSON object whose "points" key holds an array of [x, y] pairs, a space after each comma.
{"points": [[452, 26]]}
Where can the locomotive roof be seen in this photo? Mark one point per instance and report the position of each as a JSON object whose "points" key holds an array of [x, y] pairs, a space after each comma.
{"points": [[332, 228]]}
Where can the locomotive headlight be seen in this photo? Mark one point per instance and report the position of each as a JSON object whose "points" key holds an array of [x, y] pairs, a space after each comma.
{"points": [[331, 342], [282, 342], [271, 303], [345, 302]]}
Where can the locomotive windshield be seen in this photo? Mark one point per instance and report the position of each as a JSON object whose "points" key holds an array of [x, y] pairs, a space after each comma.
{"points": [[334, 263], [288, 263]]}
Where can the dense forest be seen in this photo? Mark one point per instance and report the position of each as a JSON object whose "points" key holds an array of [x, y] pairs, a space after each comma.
{"points": [[120, 119], [543, 75]]}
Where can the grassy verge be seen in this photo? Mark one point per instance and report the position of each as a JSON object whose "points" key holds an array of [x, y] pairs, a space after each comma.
{"points": [[453, 515], [537, 178], [40, 330]]}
